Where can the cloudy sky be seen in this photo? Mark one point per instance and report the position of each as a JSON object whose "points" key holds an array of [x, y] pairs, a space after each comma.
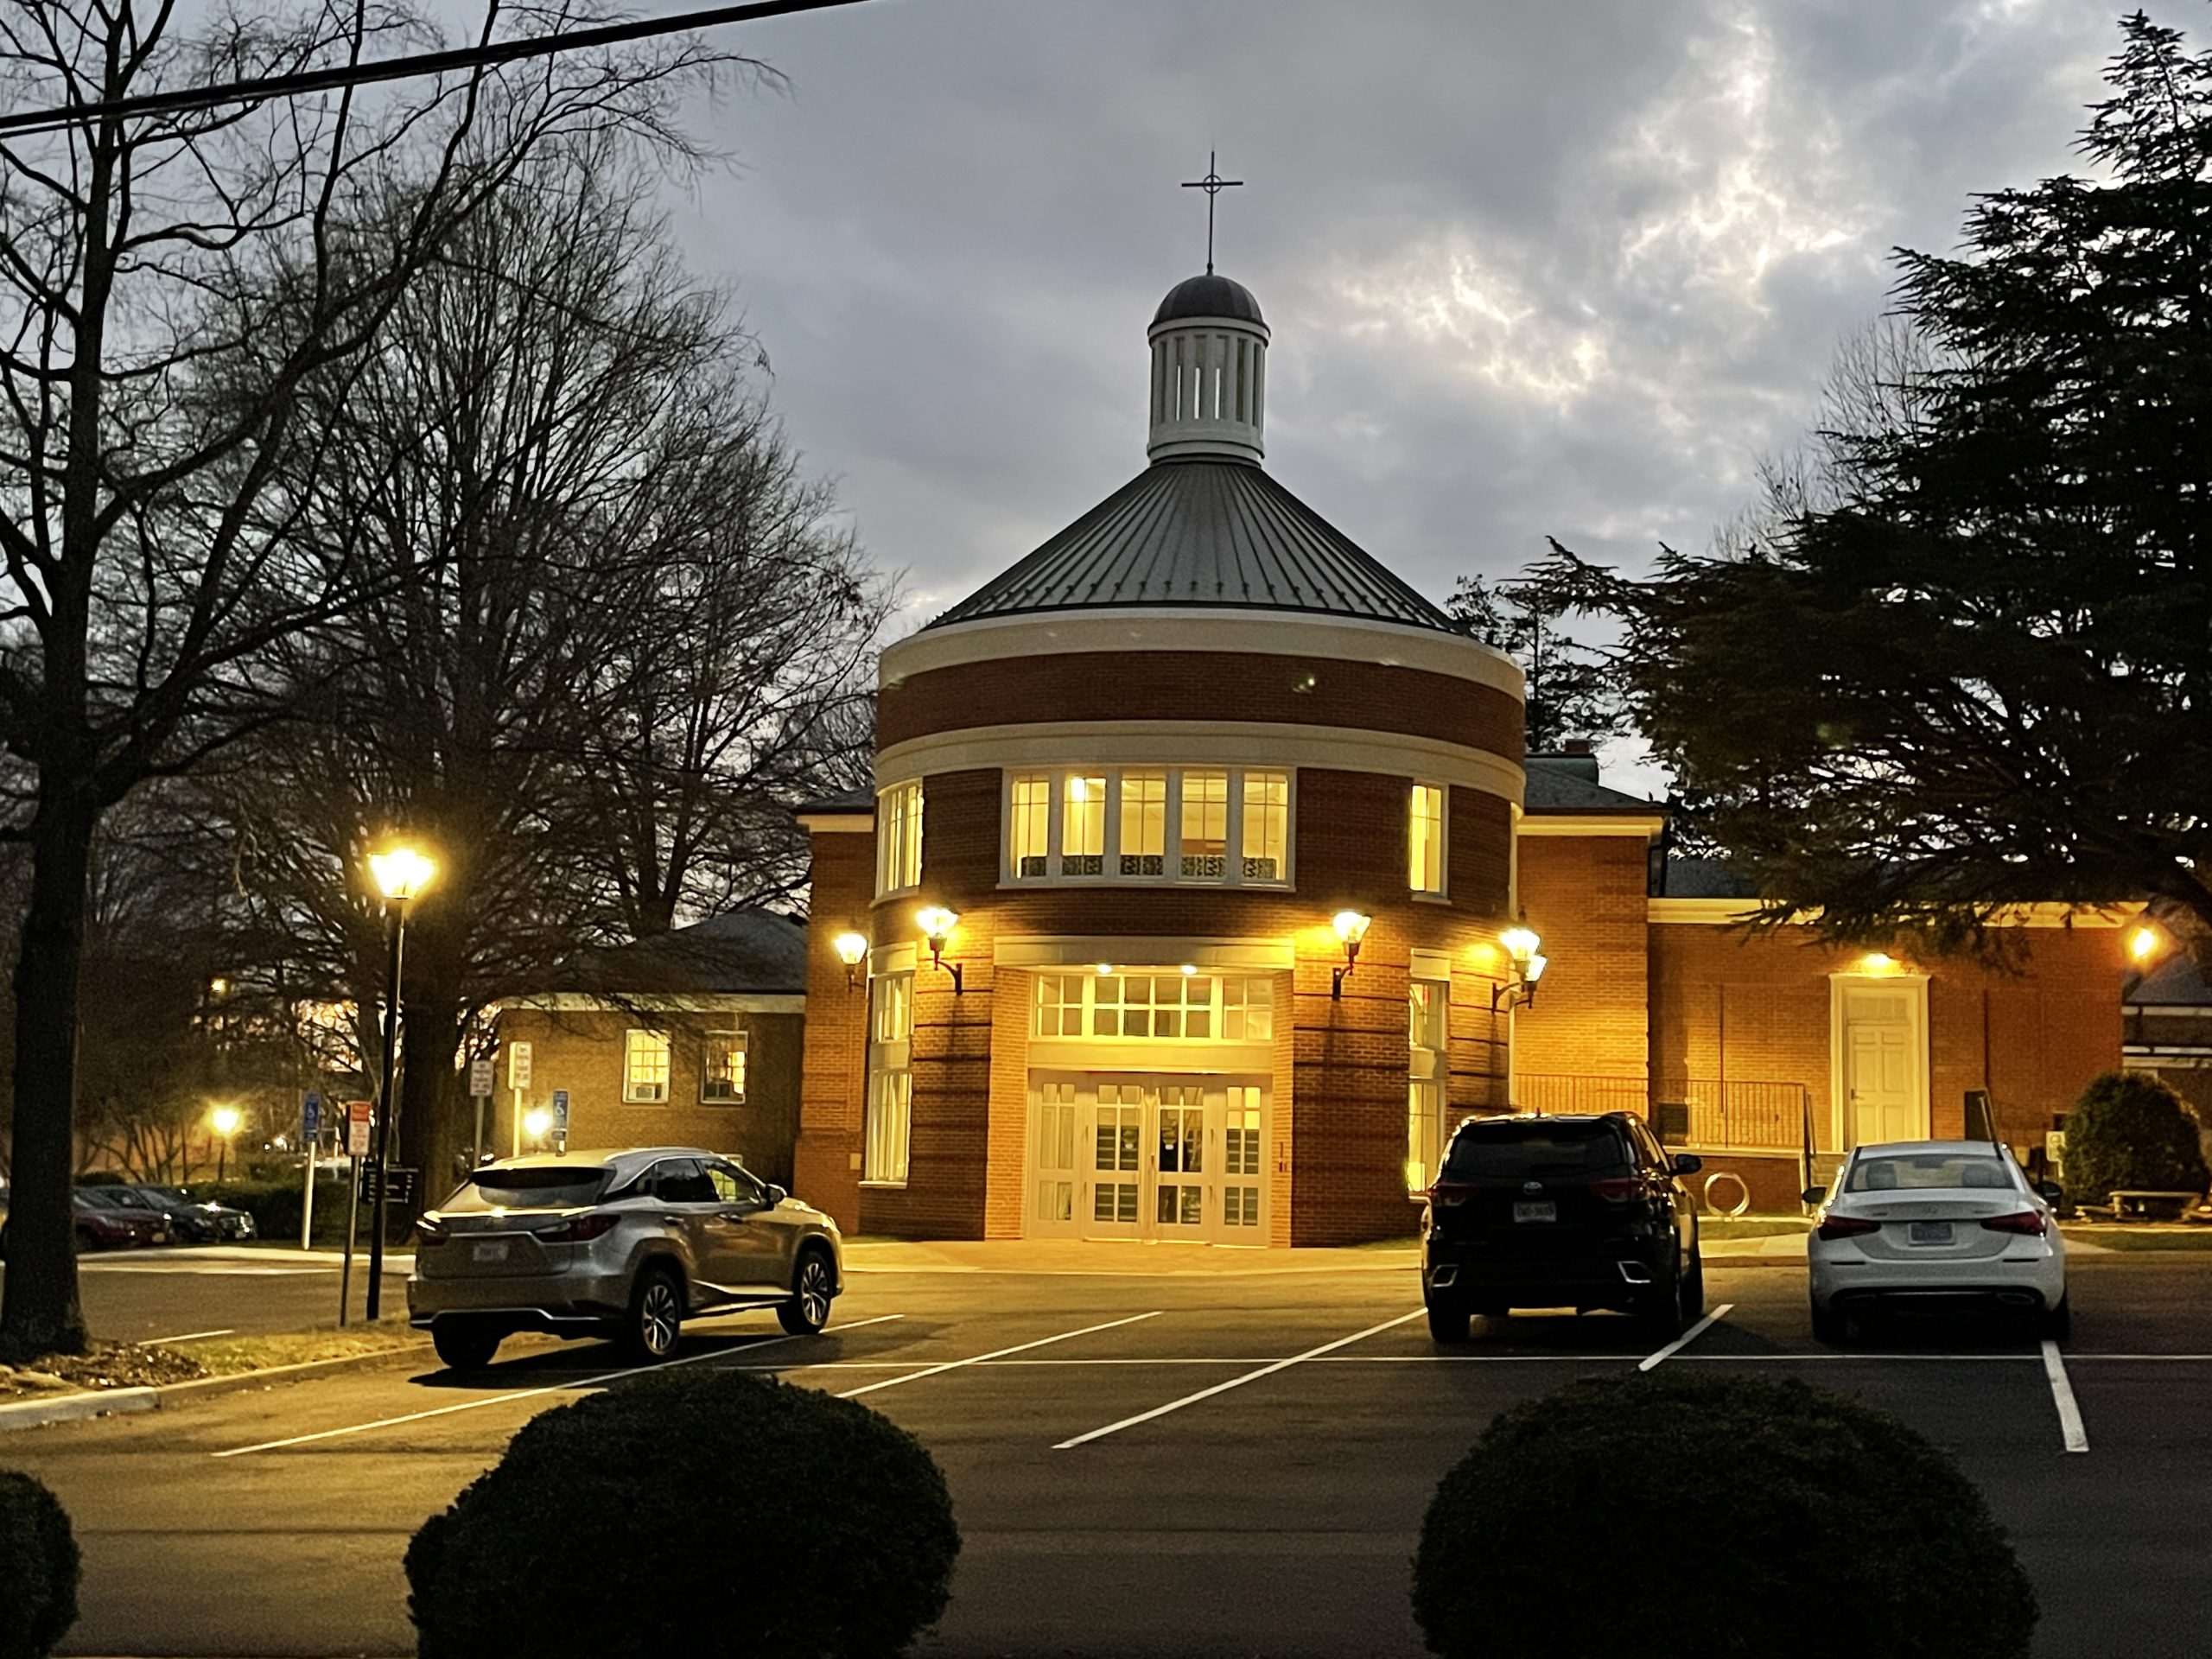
{"points": [[1531, 266]]}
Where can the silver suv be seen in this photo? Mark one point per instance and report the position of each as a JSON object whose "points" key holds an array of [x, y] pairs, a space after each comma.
{"points": [[615, 1243]]}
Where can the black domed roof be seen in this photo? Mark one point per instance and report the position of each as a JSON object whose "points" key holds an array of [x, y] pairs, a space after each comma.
{"points": [[1210, 295]]}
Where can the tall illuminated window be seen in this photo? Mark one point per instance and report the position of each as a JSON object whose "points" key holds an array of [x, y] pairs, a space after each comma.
{"points": [[1029, 824], [1267, 825], [899, 838], [1427, 1025], [890, 1109], [644, 1067], [1425, 841], [1083, 825], [1205, 846], [1144, 823]]}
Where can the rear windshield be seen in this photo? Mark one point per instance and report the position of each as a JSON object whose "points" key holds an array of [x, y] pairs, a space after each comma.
{"points": [[1536, 1150], [1916, 1170], [539, 1187]]}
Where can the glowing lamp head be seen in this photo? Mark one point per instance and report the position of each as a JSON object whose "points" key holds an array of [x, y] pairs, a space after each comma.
{"points": [[2143, 943], [226, 1120], [402, 873], [937, 924], [1521, 943], [1351, 927], [1534, 969], [851, 947], [220, 987], [1877, 961], [536, 1121]]}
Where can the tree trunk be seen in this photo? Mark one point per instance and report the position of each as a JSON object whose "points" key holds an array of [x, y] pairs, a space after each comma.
{"points": [[40, 1313], [433, 1135]]}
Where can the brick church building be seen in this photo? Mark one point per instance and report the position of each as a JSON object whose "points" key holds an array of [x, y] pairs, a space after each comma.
{"points": [[1205, 886]]}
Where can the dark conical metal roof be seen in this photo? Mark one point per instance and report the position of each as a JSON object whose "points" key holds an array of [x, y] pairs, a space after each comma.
{"points": [[1206, 533], [1210, 295]]}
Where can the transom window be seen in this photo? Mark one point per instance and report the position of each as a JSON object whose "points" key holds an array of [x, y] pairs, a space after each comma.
{"points": [[1222, 825], [1174, 1007]]}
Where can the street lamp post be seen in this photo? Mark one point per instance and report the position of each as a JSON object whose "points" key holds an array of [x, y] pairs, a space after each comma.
{"points": [[225, 1119], [401, 874]]}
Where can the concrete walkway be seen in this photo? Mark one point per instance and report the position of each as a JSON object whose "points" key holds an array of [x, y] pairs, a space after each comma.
{"points": [[1121, 1257]]}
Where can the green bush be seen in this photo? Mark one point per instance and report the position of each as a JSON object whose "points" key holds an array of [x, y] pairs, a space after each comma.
{"points": [[697, 1512], [2130, 1129], [275, 1207], [38, 1569], [1679, 1515]]}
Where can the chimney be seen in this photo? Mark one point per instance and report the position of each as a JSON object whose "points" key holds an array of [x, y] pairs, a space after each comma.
{"points": [[1575, 745]]}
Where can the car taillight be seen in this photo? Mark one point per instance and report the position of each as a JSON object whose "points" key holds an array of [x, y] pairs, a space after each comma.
{"points": [[1845, 1227], [1618, 1189], [2033, 1223], [1448, 1197], [579, 1229], [429, 1232]]}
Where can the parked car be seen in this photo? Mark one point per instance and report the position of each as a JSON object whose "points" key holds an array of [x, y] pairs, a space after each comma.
{"points": [[625, 1244], [114, 1217], [1932, 1223], [195, 1220], [1559, 1210]]}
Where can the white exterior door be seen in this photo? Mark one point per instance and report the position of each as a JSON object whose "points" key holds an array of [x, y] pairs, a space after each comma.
{"points": [[1883, 1061], [1146, 1156]]}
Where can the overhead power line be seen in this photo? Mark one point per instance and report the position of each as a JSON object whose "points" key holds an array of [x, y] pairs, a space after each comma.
{"points": [[404, 69]]}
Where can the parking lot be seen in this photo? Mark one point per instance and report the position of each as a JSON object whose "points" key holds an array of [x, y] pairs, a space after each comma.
{"points": [[1146, 1463]]}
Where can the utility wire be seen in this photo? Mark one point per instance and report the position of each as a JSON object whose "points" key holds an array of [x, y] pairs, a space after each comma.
{"points": [[402, 68]]}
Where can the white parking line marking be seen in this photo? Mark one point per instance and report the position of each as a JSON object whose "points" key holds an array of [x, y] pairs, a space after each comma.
{"points": [[1652, 1362], [195, 1336], [1267, 1369], [531, 1393], [2062, 1395], [978, 1359]]}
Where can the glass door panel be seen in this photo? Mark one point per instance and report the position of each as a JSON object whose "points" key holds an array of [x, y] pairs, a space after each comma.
{"points": [[1240, 1161], [1180, 1203], [1054, 1177], [1117, 1158]]}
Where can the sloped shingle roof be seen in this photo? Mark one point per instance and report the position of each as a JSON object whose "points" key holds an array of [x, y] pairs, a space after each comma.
{"points": [[738, 950]]}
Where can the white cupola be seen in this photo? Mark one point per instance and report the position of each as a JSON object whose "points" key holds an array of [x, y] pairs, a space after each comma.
{"points": [[1209, 372]]}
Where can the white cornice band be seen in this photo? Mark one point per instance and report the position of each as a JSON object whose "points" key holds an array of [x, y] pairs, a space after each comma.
{"points": [[1195, 743], [1159, 627]]}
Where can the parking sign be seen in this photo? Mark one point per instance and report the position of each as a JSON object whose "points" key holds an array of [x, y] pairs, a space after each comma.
{"points": [[560, 1111], [481, 1078], [517, 1065], [357, 1128], [311, 1116]]}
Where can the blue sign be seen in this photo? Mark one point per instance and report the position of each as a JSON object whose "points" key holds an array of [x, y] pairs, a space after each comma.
{"points": [[310, 1117], [561, 1110]]}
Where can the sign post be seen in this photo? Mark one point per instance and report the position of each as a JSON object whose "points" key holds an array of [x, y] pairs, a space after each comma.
{"points": [[310, 1129], [357, 1147], [518, 1080], [481, 1075]]}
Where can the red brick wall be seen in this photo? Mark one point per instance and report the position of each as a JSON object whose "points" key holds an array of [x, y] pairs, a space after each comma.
{"points": [[833, 1090], [1227, 685], [1585, 896]]}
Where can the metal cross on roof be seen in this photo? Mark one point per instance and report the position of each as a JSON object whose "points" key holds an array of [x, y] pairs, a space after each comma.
{"points": [[1213, 184]]}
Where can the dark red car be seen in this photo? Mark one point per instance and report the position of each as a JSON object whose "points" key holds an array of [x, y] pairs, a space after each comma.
{"points": [[112, 1219]]}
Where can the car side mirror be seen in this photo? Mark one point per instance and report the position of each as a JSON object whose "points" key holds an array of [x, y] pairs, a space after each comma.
{"points": [[2051, 1192], [1813, 1194], [1688, 1163], [776, 1196]]}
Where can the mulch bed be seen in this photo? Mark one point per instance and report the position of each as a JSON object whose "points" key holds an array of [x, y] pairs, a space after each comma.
{"points": [[105, 1365]]}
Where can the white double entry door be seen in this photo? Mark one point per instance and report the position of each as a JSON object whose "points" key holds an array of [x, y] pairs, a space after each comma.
{"points": [[1146, 1156]]}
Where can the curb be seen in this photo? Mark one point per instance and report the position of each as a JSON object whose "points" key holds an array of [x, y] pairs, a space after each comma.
{"points": [[103, 1402]]}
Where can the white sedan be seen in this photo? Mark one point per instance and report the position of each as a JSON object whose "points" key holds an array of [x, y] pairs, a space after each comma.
{"points": [[1931, 1221]]}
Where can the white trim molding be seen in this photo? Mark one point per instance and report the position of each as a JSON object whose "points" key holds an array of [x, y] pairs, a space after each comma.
{"points": [[1644, 826], [696, 1002], [1283, 746], [1721, 913], [1215, 629], [1164, 951], [856, 821]]}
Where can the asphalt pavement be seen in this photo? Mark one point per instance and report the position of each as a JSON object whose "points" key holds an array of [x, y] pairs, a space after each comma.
{"points": [[186, 1291], [1150, 1464]]}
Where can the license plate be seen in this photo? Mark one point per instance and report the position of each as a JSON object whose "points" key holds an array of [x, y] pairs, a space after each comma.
{"points": [[1535, 1209], [491, 1250], [1931, 1232]]}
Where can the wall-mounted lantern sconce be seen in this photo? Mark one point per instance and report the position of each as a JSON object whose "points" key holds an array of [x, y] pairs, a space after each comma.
{"points": [[1351, 927], [937, 924], [1525, 968], [2142, 945], [852, 950]]}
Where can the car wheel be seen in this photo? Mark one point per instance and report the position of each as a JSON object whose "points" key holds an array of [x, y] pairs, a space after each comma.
{"points": [[1659, 1310], [1829, 1326], [1447, 1324], [465, 1345], [1694, 1289], [656, 1315], [2057, 1324], [812, 1289]]}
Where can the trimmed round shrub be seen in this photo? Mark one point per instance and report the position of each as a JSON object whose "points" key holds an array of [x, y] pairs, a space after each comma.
{"points": [[2131, 1130], [705, 1513], [38, 1569], [1678, 1515]]}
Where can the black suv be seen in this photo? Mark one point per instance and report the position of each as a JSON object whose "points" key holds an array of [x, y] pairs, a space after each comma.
{"points": [[1565, 1211]]}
